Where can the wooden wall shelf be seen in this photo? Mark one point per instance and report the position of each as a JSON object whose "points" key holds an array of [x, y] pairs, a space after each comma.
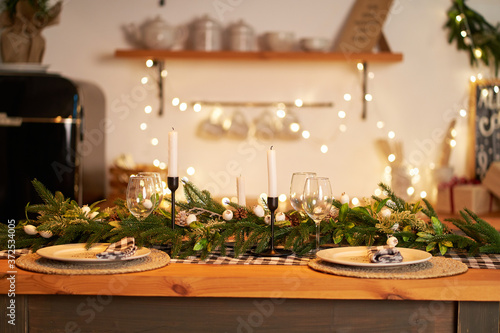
{"points": [[262, 55]]}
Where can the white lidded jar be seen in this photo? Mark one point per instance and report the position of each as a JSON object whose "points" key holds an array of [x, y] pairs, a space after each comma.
{"points": [[241, 37], [207, 34]]}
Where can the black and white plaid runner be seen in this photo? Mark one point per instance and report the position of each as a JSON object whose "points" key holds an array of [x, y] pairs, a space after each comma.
{"points": [[481, 261], [124, 248]]}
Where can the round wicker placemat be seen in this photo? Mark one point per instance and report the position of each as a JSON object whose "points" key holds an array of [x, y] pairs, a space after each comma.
{"points": [[36, 263], [435, 267]]}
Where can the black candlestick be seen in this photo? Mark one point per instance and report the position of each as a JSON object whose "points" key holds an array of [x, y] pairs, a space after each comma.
{"points": [[272, 204], [173, 184]]}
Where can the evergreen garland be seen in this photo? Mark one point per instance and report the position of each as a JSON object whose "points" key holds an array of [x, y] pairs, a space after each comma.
{"points": [[416, 225], [474, 34]]}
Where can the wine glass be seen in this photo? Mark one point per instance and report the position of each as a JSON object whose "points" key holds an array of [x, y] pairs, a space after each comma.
{"points": [[141, 192], [297, 189], [158, 196], [317, 201]]}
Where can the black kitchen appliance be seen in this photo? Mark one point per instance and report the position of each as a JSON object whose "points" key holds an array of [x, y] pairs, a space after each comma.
{"points": [[43, 129]]}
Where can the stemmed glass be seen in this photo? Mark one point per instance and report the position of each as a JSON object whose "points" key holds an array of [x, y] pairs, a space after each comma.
{"points": [[297, 189], [317, 201], [158, 197], [141, 196]]}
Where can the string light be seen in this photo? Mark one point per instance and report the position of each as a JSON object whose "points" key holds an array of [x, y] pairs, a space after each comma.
{"points": [[156, 162], [423, 194], [324, 149], [294, 127], [341, 114], [410, 190], [144, 80], [149, 63], [154, 141], [183, 106], [380, 124], [342, 128], [197, 107], [355, 201], [306, 134], [225, 201], [282, 198], [175, 101], [453, 143], [144, 126], [347, 97], [391, 158], [360, 66], [391, 135], [298, 103], [148, 109], [368, 97], [463, 113], [281, 113], [162, 165], [190, 171]]}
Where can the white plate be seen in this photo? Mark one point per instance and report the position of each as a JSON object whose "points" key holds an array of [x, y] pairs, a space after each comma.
{"points": [[77, 252], [358, 256], [23, 67]]}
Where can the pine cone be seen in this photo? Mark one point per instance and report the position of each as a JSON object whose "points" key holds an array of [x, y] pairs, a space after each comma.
{"points": [[333, 214], [240, 214], [181, 218], [294, 219]]}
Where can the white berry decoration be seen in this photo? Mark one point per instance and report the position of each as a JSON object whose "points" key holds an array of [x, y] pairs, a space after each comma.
{"points": [[227, 215], [30, 229], [190, 219], [259, 211], [385, 212], [344, 198], [267, 219], [46, 233], [147, 204], [280, 217]]}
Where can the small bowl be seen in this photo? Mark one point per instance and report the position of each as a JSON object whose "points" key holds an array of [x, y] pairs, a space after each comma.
{"points": [[315, 44], [280, 41]]}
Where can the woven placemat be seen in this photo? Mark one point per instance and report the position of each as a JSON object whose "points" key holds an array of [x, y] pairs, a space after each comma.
{"points": [[34, 262], [435, 267]]}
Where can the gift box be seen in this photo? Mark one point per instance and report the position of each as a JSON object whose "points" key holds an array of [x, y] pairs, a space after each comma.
{"points": [[492, 179], [475, 197], [444, 203]]}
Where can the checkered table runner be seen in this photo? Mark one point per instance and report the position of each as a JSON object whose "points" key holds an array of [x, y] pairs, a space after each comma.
{"points": [[483, 261]]}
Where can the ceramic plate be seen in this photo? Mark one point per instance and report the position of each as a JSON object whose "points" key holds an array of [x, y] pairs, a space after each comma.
{"points": [[358, 256], [23, 67], [77, 252]]}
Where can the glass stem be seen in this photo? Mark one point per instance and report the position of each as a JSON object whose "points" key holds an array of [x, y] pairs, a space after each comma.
{"points": [[317, 237]]}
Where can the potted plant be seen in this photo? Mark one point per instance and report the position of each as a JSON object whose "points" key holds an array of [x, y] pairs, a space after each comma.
{"points": [[23, 21]]}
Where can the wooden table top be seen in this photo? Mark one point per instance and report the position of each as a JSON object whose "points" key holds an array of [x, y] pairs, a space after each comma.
{"points": [[262, 281]]}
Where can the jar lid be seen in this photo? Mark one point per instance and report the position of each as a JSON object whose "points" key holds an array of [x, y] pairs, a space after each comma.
{"points": [[206, 22], [241, 27]]}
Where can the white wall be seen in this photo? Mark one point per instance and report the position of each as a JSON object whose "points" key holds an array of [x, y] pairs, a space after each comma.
{"points": [[414, 98]]}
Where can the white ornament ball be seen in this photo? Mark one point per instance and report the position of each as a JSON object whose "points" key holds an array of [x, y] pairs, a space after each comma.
{"points": [[191, 218], [280, 217], [259, 211], [46, 233], [227, 215], [267, 219], [385, 212], [147, 204], [344, 198], [392, 241], [30, 229]]}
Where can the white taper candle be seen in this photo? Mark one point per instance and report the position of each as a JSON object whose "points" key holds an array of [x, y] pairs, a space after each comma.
{"points": [[271, 172], [172, 153]]}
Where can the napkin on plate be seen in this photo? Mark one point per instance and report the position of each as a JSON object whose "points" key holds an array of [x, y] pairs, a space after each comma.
{"points": [[384, 254], [124, 248]]}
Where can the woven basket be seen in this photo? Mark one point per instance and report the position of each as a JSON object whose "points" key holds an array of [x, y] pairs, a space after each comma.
{"points": [[118, 178]]}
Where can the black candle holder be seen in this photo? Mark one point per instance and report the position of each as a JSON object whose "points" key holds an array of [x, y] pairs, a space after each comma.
{"points": [[272, 204], [173, 185]]}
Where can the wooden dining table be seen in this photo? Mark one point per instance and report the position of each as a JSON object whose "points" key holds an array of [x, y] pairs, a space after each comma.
{"points": [[201, 297]]}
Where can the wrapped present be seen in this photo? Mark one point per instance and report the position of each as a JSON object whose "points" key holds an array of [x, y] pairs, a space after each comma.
{"points": [[475, 197], [445, 201], [492, 179]]}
